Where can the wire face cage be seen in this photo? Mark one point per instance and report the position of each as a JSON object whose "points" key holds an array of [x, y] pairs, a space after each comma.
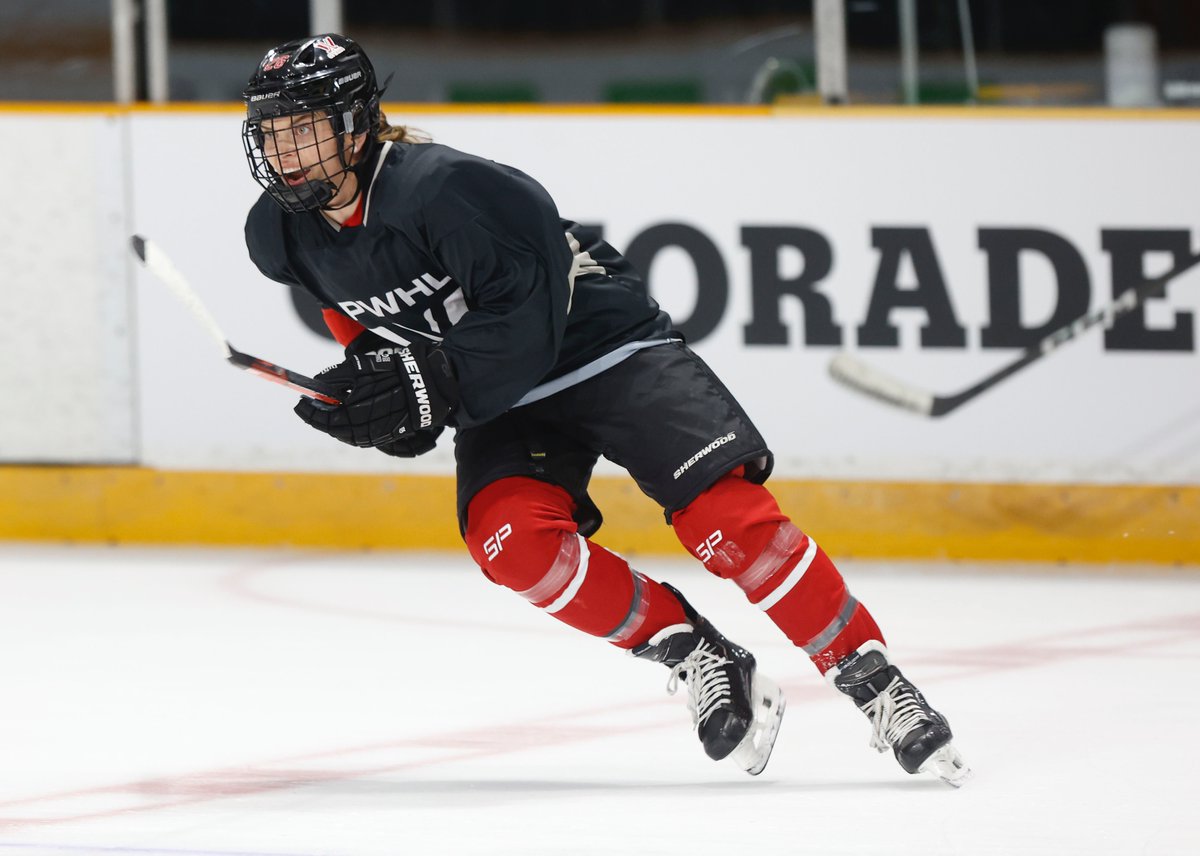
{"points": [[299, 159]]}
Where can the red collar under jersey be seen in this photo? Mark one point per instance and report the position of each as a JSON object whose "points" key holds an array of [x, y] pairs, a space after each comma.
{"points": [[356, 218]]}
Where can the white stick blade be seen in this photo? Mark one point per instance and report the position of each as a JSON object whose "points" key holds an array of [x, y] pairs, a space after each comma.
{"points": [[159, 264], [852, 372]]}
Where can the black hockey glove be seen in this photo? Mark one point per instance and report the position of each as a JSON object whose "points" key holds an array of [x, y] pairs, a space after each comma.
{"points": [[417, 443], [390, 394]]}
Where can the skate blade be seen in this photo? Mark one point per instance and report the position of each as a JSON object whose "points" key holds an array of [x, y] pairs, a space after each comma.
{"points": [[754, 751], [948, 765]]}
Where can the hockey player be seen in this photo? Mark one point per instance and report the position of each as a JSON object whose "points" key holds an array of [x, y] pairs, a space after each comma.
{"points": [[464, 300]]}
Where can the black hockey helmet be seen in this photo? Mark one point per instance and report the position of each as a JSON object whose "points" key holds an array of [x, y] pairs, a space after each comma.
{"points": [[327, 74]]}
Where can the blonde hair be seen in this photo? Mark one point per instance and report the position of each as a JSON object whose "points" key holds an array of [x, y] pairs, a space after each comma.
{"points": [[385, 132]]}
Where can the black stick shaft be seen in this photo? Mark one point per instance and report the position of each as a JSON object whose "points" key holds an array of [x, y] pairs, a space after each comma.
{"points": [[278, 374], [1128, 301]]}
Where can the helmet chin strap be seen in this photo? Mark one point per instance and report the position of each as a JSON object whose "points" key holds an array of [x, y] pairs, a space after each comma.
{"points": [[311, 195], [359, 170]]}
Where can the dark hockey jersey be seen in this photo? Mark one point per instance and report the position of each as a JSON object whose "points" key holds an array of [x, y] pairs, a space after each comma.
{"points": [[471, 254]]}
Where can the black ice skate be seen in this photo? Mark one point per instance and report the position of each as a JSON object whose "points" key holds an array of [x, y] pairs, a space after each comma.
{"points": [[735, 710], [901, 719]]}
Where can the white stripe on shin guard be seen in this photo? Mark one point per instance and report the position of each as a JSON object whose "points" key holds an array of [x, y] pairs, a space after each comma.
{"points": [[792, 578], [566, 575], [778, 550]]}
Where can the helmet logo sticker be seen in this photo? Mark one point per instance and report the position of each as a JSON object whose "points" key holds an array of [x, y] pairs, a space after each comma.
{"points": [[272, 63], [326, 44]]}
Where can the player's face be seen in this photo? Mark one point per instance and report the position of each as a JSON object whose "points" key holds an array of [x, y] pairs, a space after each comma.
{"points": [[302, 148]]}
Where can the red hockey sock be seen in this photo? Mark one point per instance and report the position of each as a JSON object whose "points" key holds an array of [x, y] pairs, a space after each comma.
{"points": [[521, 533], [737, 530]]}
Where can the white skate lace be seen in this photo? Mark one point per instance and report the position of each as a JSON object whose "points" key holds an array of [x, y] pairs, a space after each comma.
{"points": [[893, 713], [707, 682]]}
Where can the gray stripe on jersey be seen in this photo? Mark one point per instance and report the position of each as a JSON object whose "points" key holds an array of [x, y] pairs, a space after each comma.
{"points": [[588, 371]]}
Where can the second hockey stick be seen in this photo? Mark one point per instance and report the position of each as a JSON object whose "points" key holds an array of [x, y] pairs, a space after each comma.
{"points": [[852, 372], [159, 264]]}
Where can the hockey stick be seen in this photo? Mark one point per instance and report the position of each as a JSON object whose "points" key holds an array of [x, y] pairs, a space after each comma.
{"points": [[852, 372], [157, 262]]}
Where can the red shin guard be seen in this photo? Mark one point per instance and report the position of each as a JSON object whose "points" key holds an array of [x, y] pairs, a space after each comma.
{"points": [[521, 533], [737, 530]]}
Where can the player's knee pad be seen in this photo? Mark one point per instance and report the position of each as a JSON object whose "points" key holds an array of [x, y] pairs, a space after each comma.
{"points": [[517, 530], [735, 527], [737, 530]]}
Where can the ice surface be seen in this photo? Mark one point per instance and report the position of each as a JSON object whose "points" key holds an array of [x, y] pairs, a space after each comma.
{"points": [[230, 702]]}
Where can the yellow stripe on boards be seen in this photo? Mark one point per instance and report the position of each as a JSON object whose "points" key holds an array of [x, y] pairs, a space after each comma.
{"points": [[137, 505], [397, 110], [921, 520]]}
